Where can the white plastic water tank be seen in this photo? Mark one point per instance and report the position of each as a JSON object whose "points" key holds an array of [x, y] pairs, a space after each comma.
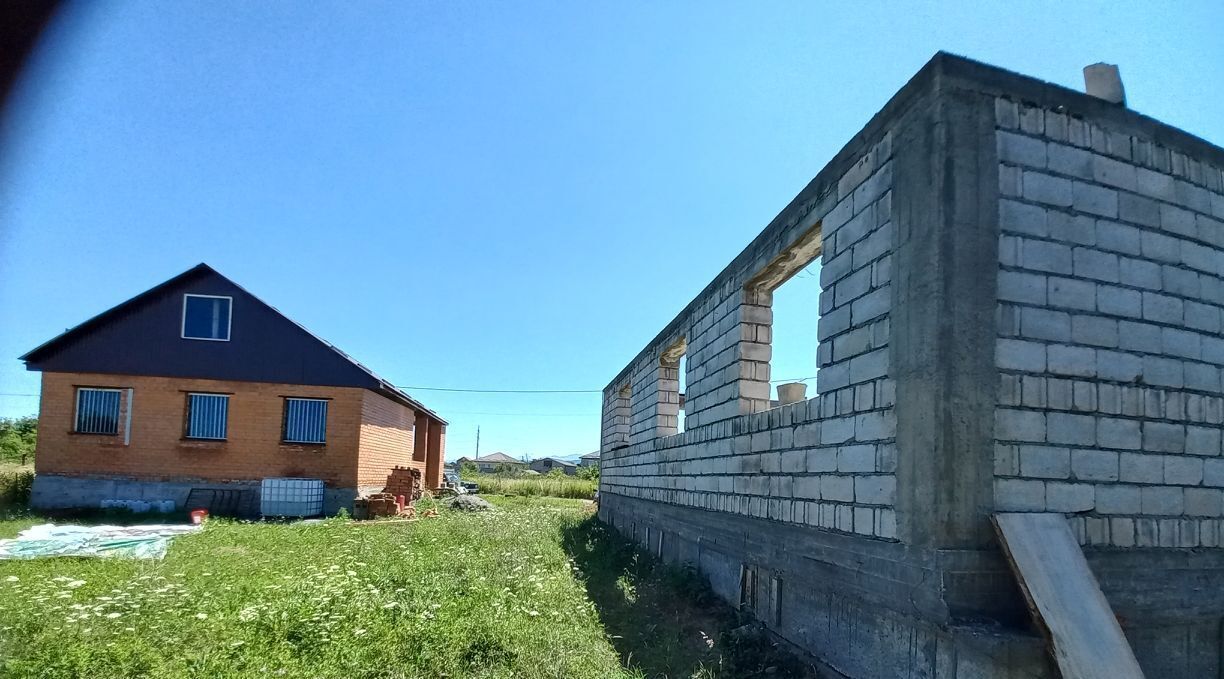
{"points": [[291, 497]]}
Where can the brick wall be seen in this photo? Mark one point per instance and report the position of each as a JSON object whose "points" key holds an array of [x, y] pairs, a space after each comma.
{"points": [[828, 461], [158, 451], [386, 440], [1111, 295]]}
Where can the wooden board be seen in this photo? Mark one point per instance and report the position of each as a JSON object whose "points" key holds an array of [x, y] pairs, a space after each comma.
{"points": [[1064, 597]]}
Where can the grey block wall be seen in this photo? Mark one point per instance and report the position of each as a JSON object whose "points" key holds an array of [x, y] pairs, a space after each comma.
{"points": [[1111, 290], [825, 462], [1022, 300]]}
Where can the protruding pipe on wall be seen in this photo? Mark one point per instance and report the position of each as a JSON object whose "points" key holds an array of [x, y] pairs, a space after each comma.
{"points": [[1103, 81]]}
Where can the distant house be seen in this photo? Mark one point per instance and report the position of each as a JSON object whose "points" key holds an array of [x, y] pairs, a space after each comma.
{"points": [[496, 462], [589, 460], [197, 384], [546, 464]]}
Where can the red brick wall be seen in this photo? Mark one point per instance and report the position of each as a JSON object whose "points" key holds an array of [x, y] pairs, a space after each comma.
{"points": [[437, 454], [158, 451], [386, 440]]}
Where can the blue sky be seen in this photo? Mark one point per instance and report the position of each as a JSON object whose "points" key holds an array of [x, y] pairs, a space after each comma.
{"points": [[486, 195]]}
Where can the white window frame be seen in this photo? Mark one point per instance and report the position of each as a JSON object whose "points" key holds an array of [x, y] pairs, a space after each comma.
{"points": [[187, 424], [285, 422], [76, 411], [229, 324]]}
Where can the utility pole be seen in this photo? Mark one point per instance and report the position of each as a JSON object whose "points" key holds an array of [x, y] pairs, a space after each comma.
{"points": [[478, 440]]}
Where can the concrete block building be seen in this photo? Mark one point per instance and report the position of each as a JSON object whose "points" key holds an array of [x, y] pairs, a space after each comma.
{"points": [[1021, 307], [198, 384]]}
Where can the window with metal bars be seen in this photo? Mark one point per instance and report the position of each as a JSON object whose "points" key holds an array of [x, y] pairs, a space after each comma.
{"points": [[207, 416], [305, 420], [97, 411]]}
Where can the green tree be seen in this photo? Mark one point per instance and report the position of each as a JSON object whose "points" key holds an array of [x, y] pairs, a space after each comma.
{"points": [[17, 438], [468, 470]]}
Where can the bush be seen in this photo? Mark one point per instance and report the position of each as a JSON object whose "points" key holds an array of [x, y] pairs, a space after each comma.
{"points": [[17, 438], [15, 487], [589, 473]]}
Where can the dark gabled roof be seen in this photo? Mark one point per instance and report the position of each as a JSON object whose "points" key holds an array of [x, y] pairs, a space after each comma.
{"points": [[47, 348], [557, 460], [500, 458], [50, 347], [590, 456]]}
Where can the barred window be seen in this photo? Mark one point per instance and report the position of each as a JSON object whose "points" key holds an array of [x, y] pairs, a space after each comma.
{"points": [[97, 411], [305, 420], [207, 416]]}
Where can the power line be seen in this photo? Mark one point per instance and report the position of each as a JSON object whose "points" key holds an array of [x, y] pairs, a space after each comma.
{"points": [[495, 391]]}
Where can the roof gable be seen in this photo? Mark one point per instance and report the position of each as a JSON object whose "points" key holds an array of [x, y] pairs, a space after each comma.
{"points": [[142, 336], [498, 457]]}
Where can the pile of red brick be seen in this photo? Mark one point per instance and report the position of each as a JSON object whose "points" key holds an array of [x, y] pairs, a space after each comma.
{"points": [[402, 489], [404, 481], [380, 505]]}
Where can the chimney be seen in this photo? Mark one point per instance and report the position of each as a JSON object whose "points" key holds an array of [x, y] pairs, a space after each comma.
{"points": [[1104, 82]]}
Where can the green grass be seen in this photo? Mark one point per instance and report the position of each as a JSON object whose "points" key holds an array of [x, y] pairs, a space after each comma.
{"points": [[535, 589], [537, 486]]}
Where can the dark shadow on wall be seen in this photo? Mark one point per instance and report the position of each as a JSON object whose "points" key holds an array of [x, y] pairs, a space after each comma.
{"points": [[665, 621]]}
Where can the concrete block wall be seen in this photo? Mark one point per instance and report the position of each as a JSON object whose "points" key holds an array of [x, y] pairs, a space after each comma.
{"points": [[827, 462], [1021, 313], [1111, 299]]}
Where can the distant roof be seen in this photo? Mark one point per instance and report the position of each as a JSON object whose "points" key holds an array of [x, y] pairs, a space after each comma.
{"points": [[498, 457], [50, 346], [590, 456], [558, 460]]}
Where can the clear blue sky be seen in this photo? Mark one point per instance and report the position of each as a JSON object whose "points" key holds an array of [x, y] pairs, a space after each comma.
{"points": [[493, 195]]}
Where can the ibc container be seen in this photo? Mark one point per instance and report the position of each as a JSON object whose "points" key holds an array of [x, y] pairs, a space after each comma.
{"points": [[291, 497]]}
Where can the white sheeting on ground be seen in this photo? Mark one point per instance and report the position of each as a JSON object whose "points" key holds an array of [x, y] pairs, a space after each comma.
{"points": [[131, 542]]}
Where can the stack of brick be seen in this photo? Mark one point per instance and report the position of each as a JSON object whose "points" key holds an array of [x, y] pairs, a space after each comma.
{"points": [[381, 505], [404, 481]]}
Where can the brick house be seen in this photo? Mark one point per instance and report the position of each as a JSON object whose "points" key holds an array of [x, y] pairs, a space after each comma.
{"points": [[198, 384]]}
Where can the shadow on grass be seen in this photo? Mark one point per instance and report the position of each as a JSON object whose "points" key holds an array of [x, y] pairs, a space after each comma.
{"points": [[665, 621]]}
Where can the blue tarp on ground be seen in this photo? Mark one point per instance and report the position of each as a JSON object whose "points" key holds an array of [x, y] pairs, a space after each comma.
{"points": [[130, 542]]}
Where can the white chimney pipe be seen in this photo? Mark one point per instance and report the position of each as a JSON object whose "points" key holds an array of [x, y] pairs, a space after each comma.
{"points": [[1103, 81]]}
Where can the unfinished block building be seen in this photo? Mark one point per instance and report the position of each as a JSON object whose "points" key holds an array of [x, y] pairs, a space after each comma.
{"points": [[1021, 311]]}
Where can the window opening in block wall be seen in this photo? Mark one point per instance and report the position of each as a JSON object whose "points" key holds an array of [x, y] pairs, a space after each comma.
{"points": [[796, 314], [682, 371], [782, 309], [671, 365]]}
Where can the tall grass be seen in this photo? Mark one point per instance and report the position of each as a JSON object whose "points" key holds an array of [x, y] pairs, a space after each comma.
{"points": [[15, 484], [534, 486]]}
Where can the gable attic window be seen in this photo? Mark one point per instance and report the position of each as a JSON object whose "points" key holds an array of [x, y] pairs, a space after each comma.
{"points": [[207, 416], [206, 317], [97, 411], [305, 420]]}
